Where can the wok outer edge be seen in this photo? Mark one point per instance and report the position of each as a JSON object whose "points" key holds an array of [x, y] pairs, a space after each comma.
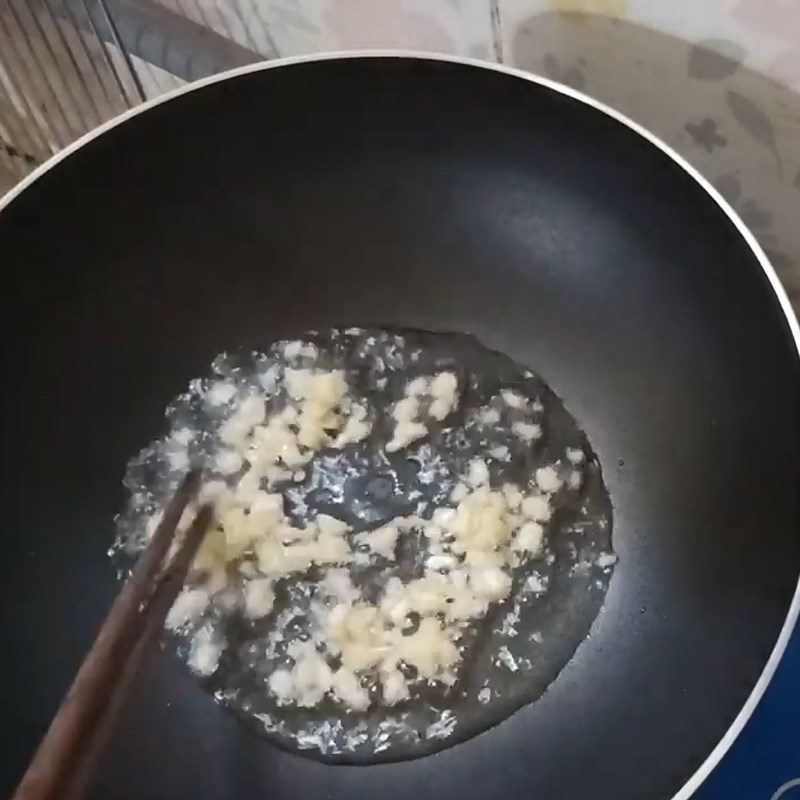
{"points": [[736, 727]]}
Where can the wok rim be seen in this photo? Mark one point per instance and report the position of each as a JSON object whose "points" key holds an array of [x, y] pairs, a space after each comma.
{"points": [[793, 613]]}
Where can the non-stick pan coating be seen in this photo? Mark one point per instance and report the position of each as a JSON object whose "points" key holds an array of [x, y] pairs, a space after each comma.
{"points": [[432, 195]]}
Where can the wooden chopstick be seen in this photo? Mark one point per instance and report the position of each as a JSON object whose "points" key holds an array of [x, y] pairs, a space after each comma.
{"points": [[66, 756]]}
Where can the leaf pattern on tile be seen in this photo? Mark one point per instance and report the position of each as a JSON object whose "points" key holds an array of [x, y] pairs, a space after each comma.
{"points": [[778, 259], [705, 134], [714, 59], [756, 218], [572, 76], [752, 214], [729, 187], [296, 19], [752, 118], [756, 122], [551, 68]]}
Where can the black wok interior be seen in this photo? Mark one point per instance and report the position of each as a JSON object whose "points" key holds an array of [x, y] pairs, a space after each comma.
{"points": [[432, 195]]}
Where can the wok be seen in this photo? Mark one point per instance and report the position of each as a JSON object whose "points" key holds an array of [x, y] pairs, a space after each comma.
{"points": [[437, 194]]}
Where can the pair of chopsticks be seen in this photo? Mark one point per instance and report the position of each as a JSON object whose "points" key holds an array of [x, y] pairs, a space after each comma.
{"points": [[65, 759]]}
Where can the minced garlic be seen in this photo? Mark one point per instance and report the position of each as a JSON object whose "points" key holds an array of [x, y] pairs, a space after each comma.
{"points": [[361, 651]]}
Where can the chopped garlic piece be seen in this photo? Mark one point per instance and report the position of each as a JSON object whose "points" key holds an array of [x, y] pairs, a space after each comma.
{"points": [[445, 398], [605, 560], [395, 687], [505, 658], [320, 394], [381, 540], [312, 678], [443, 562], [204, 652], [409, 523], [228, 461], [330, 525], [258, 598], [338, 584], [178, 460], [281, 684], [490, 583], [188, 607], [480, 523], [526, 431], [357, 633], [489, 416], [537, 507], [247, 489], [213, 492], [211, 555], [575, 455], [429, 649], [530, 538], [535, 584], [404, 434], [444, 516], [297, 349], [478, 473], [513, 399], [547, 479], [273, 442], [349, 691], [220, 393], [269, 379], [439, 408], [418, 386], [406, 410], [183, 436], [356, 428], [321, 543], [234, 431], [460, 491], [512, 495], [244, 526], [444, 385], [252, 410]]}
